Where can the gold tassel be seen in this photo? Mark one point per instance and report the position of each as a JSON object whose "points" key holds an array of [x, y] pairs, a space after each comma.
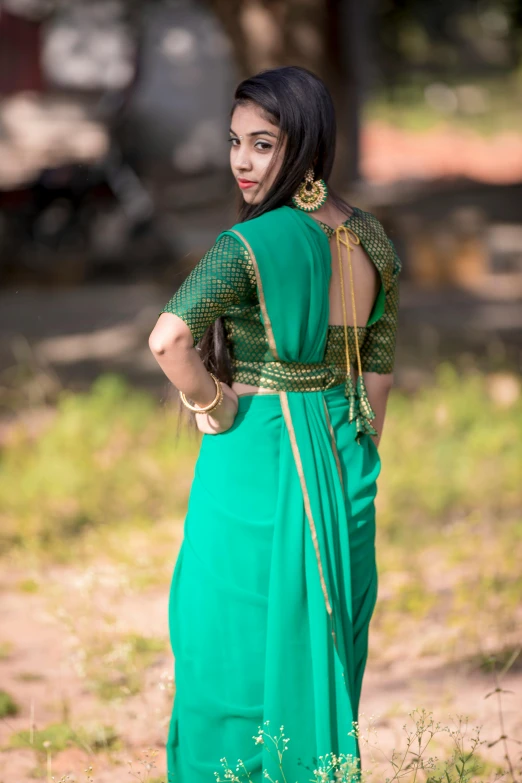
{"points": [[366, 412], [364, 401], [363, 427], [359, 408], [351, 395]]}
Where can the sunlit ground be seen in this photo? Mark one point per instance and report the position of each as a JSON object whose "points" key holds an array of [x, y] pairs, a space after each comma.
{"points": [[449, 127], [92, 499]]}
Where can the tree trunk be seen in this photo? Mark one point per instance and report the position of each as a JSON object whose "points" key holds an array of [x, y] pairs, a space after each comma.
{"points": [[329, 38]]}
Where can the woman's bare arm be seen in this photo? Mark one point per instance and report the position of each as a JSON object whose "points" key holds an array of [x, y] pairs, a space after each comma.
{"points": [[171, 343], [378, 387]]}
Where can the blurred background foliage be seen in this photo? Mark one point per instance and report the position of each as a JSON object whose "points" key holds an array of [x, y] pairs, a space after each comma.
{"points": [[114, 181], [114, 175], [108, 462]]}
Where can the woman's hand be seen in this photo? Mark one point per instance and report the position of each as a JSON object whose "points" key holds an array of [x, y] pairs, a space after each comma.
{"points": [[222, 418]]}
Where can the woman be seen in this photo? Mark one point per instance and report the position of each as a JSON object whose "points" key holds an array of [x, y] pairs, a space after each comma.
{"points": [[295, 312]]}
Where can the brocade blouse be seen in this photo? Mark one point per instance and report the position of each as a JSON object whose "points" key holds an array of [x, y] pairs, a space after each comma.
{"points": [[223, 283]]}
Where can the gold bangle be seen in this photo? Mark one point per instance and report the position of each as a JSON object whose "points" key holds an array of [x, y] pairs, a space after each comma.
{"points": [[218, 402], [212, 405]]}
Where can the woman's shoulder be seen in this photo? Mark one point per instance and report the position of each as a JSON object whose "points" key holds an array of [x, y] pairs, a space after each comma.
{"points": [[229, 262], [262, 222], [228, 250]]}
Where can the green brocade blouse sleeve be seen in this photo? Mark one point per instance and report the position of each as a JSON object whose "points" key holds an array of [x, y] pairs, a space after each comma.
{"points": [[378, 349], [222, 279]]}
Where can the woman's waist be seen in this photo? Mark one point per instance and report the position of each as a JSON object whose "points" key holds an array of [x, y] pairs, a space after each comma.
{"points": [[249, 390], [268, 407], [242, 389]]}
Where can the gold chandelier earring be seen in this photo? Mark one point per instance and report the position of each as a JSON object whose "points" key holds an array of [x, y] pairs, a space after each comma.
{"points": [[311, 194]]}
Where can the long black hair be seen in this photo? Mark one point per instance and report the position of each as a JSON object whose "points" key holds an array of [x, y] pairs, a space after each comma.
{"points": [[300, 105]]}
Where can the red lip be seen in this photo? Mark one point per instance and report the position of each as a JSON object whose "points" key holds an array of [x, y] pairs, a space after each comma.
{"points": [[245, 183]]}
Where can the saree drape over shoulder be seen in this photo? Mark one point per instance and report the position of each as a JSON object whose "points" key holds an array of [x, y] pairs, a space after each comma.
{"points": [[276, 581]]}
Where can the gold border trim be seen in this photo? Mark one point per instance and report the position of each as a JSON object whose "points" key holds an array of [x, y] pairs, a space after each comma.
{"points": [[262, 301], [308, 509], [334, 444]]}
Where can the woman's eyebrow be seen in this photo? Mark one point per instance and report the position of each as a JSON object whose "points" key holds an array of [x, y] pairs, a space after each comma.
{"points": [[257, 133]]}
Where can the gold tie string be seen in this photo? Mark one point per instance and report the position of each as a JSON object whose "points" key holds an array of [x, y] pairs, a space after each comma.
{"points": [[349, 240]]}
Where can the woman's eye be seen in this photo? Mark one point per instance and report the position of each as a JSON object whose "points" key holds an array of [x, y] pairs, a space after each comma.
{"points": [[264, 146]]}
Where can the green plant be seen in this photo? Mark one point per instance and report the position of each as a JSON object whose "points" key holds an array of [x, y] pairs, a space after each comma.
{"points": [[8, 705], [58, 736], [6, 650], [413, 763], [102, 458], [112, 660]]}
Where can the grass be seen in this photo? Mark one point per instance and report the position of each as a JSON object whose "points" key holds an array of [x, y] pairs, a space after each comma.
{"points": [[485, 106], [29, 677], [450, 513], [110, 457], [28, 586], [118, 666], [112, 661], [8, 705], [6, 650], [449, 535], [449, 509], [104, 460], [59, 736], [429, 752], [459, 759], [473, 463]]}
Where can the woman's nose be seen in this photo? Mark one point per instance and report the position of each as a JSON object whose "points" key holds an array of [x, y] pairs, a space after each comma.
{"points": [[243, 162]]}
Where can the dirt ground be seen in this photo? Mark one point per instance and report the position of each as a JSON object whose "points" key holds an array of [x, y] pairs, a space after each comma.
{"points": [[39, 673], [68, 337]]}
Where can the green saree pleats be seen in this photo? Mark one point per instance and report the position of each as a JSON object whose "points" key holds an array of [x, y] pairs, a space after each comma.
{"points": [[276, 582]]}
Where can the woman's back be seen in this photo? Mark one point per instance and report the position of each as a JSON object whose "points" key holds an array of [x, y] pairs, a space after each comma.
{"points": [[276, 581], [366, 280], [224, 284]]}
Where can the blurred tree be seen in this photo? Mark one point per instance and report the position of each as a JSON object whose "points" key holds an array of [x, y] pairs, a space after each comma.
{"points": [[355, 45], [330, 38], [453, 37]]}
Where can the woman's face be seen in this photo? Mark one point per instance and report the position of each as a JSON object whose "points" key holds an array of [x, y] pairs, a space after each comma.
{"points": [[252, 149]]}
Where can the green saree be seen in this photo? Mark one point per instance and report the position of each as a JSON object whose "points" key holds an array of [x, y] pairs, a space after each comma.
{"points": [[276, 582]]}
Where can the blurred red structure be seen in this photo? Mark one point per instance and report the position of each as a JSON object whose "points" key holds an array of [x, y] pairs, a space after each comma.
{"points": [[19, 54]]}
